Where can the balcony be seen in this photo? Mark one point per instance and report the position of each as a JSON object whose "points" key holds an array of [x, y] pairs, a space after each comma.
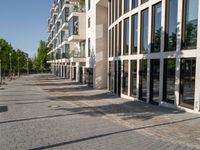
{"points": [[76, 27], [77, 56]]}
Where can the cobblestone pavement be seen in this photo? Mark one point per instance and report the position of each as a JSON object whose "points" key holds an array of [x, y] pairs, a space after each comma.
{"points": [[45, 112]]}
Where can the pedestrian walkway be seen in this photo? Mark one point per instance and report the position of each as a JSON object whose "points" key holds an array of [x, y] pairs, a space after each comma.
{"points": [[46, 112]]}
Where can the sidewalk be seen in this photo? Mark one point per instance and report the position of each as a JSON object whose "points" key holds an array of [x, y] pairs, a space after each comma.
{"points": [[168, 124]]}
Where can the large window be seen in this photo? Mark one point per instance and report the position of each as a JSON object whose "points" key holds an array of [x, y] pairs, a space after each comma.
{"points": [[169, 80], [120, 38], [126, 36], [134, 34], [116, 9], [110, 43], [144, 31], [126, 6], [116, 39], [125, 77], [171, 25], [133, 78], [73, 26], [134, 3], [88, 4], [190, 22], [156, 28], [143, 1], [89, 48], [113, 44], [120, 8]]}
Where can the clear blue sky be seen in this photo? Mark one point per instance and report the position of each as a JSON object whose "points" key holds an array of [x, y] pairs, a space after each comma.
{"points": [[23, 23]]}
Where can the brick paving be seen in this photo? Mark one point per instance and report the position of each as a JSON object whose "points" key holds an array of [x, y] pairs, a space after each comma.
{"points": [[45, 112]]}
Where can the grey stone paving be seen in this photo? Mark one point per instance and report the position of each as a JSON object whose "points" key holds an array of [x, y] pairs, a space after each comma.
{"points": [[36, 119]]}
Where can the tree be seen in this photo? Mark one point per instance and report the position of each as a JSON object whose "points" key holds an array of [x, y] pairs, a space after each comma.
{"points": [[40, 61]]}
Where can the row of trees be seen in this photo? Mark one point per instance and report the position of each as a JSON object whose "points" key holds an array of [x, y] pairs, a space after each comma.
{"points": [[13, 59]]}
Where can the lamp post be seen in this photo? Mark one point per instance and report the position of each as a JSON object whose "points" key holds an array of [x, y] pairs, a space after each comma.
{"points": [[18, 66], [10, 65], [0, 73], [27, 67], [0, 70]]}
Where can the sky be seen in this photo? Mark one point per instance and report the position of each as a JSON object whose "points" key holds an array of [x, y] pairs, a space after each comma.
{"points": [[23, 23]]}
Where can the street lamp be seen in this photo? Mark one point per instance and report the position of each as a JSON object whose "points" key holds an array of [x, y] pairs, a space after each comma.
{"points": [[18, 66], [10, 65], [0, 73], [0, 70], [27, 67]]}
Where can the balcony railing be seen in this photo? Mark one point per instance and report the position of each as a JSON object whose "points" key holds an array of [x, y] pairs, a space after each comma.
{"points": [[77, 54]]}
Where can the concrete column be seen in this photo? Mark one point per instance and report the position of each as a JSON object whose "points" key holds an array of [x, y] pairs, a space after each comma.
{"points": [[178, 49], [197, 78]]}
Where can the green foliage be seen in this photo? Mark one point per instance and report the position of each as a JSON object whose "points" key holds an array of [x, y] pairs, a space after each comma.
{"points": [[16, 56], [40, 61]]}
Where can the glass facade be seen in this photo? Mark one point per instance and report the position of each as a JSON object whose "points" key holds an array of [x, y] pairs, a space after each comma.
{"points": [[125, 77], [155, 53], [134, 34], [171, 25], [126, 36], [133, 78], [190, 22], [156, 28], [144, 31]]}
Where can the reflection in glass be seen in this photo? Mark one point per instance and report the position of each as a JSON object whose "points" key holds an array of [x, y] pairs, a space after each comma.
{"points": [[190, 21], [169, 80], [143, 1], [133, 78], [188, 69], [126, 36], [126, 6], [144, 31], [134, 3], [120, 38], [73, 26], [156, 28], [154, 81], [134, 34], [143, 80], [171, 25], [125, 77], [111, 72]]}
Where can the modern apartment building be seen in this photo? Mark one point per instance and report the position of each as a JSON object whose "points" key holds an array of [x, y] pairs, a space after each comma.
{"points": [[154, 51], [139, 49], [78, 40], [67, 38]]}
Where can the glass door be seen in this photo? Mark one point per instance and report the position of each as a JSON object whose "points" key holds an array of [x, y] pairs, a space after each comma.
{"points": [[187, 82], [154, 81], [143, 80]]}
